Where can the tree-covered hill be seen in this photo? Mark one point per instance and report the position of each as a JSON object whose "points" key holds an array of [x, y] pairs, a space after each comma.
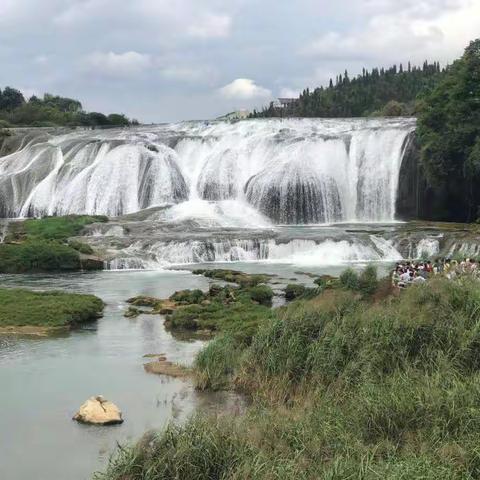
{"points": [[449, 136], [51, 110], [388, 92]]}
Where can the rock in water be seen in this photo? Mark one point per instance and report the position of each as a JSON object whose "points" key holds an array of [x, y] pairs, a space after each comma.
{"points": [[99, 411]]}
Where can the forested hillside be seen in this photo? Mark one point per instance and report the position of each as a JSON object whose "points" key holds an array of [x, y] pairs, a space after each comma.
{"points": [[51, 110], [449, 136], [387, 92]]}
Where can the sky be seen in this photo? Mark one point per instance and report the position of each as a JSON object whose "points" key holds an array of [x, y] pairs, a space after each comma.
{"points": [[170, 60]]}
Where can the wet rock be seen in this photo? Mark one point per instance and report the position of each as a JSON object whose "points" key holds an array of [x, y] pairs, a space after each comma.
{"points": [[99, 411], [143, 301], [91, 262], [162, 366], [166, 307], [132, 312]]}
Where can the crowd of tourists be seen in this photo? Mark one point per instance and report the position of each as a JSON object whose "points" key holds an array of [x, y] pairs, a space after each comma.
{"points": [[413, 272]]}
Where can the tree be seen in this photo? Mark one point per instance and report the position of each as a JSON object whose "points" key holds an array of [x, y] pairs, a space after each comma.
{"points": [[11, 98], [63, 104], [449, 135], [393, 109], [118, 119], [364, 95]]}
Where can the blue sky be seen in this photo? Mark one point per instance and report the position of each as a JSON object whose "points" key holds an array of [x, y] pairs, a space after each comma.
{"points": [[168, 60]]}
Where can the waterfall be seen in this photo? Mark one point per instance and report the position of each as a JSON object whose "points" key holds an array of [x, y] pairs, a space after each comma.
{"points": [[295, 171], [302, 252]]}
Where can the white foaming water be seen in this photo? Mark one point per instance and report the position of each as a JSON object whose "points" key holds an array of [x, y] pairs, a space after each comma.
{"points": [[299, 252], [291, 171], [208, 214], [427, 248]]}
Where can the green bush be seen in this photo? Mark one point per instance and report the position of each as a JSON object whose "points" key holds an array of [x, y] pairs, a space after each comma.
{"points": [[293, 291], [262, 294], [81, 247], [349, 279], [368, 281], [188, 296]]}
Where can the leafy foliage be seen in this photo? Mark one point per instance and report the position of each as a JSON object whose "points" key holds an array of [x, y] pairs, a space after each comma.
{"points": [[52, 110], [449, 135], [388, 92], [349, 279]]}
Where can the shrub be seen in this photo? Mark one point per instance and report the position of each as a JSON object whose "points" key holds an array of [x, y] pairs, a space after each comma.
{"points": [[262, 294], [368, 282], [349, 279], [293, 291], [188, 296], [81, 247]]}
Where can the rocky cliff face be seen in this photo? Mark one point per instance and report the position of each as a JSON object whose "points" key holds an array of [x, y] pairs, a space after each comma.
{"points": [[407, 205], [415, 198]]}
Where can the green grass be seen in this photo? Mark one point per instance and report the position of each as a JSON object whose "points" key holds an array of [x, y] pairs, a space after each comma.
{"points": [[342, 386], [19, 307], [53, 228], [233, 276], [38, 256], [237, 311], [42, 245]]}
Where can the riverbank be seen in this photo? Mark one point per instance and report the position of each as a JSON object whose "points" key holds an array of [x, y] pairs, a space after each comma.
{"points": [[343, 385]]}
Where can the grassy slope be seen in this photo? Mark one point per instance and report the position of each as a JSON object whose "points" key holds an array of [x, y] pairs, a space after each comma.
{"points": [[342, 387], [20, 307], [41, 245]]}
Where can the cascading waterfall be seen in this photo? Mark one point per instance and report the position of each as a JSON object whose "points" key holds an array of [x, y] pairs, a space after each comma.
{"points": [[289, 171], [303, 252]]}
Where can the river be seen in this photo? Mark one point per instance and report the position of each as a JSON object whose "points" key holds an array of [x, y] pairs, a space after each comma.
{"points": [[43, 381]]}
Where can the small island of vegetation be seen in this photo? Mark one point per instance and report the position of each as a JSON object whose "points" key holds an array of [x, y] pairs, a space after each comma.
{"points": [[28, 312], [43, 245]]}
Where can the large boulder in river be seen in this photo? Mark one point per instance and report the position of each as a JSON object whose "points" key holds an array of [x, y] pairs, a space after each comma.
{"points": [[99, 411]]}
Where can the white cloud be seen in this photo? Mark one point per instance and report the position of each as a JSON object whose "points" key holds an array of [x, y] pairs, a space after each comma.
{"points": [[40, 59], [194, 73], [244, 89], [210, 26], [287, 92], [414, 31], [113, 64]]}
